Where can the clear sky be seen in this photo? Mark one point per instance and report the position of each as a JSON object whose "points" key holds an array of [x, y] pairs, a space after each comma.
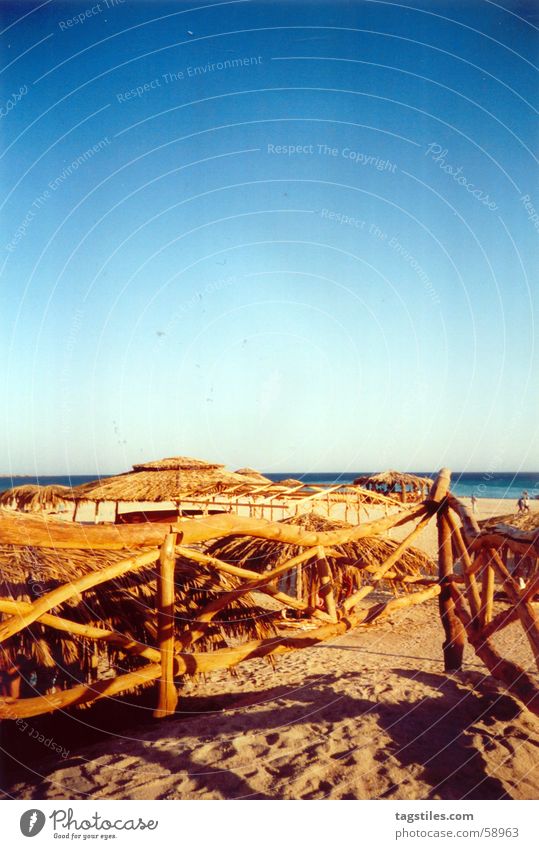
{"points": [[295, 236]]}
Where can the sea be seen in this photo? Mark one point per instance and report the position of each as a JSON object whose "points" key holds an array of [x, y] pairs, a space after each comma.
{"points": [[509, 485]]}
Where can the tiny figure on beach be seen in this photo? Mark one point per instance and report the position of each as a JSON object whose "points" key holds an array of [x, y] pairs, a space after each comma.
{"points": [[524, 502], [474, 502]]}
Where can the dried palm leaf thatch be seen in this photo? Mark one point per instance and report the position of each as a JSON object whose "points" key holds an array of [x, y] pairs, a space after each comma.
{"points": [[350, 570], [392, 478], [291, 482], [126, 604], [169, 479], [391, 483], [522, 521], [32, 498], [253, 475]]}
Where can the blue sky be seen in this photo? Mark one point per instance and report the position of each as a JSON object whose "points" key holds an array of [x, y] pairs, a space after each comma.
{"points": [[287, 235]]}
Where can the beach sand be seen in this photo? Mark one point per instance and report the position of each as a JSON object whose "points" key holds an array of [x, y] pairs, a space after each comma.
{"points": [[369, 715]]}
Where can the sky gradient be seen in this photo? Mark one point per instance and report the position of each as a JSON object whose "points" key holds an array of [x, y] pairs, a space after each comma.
{"points": [[284, 235]]}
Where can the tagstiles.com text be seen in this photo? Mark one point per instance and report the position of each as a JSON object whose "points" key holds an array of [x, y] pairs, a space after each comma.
{"points": [[422, 831]]}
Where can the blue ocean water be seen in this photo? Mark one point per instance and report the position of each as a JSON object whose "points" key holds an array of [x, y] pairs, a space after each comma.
{"points": [[508, 485]]}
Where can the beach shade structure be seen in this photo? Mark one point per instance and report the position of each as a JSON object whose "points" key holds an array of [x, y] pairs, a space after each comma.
{"points": [[290, 482], [351, 564], [32, 498], [405, 486], [523, 565], [166, 481], [39, 657], [253, 476]]}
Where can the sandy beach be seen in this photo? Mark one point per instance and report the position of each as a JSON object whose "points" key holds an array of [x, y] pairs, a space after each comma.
{"points": [[369, 715]]}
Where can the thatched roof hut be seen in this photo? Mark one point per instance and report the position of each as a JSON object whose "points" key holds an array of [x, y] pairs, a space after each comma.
{"points": [[169, 479], [409, 487], [50, 657], [354, 566], [31, 498]]}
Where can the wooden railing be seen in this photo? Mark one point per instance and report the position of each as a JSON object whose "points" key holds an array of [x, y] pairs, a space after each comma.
{"points": [[459, 540]]}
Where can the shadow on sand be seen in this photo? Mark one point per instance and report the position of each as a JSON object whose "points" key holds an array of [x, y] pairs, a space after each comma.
{"points": [[435, 733]]}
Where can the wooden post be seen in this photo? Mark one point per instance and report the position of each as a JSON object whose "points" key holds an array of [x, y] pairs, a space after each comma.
{"points": [[487, 595], [168, 696], [326, 583], [453, 646], [299, 582], [469, 577]]}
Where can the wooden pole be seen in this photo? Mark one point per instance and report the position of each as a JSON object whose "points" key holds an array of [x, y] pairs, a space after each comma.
{"points": [[168, 696], [40, 530], [487, 595], [326, 584], [472, 591], [453, 646]]}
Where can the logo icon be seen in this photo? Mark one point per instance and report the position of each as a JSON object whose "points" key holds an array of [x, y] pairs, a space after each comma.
{"points": [[32, 822]]}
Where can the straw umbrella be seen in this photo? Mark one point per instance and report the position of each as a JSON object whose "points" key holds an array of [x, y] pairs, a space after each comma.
{"points": [[31, 498], [411, 487], [169, 480], [352, 568], [253, 475]]}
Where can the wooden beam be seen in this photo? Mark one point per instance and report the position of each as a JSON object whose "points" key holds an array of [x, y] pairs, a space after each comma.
{"points": [[168, 695], [326, 583], [41, 531], [474, 599], [487, 595], [453, 646]]}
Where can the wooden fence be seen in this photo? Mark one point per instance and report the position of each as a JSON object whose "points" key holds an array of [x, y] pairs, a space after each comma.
{"points": [[470, 563]]}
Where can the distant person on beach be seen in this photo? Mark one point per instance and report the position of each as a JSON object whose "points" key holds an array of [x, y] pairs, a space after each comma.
{"points": [[474, 503], [526, 501]]}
